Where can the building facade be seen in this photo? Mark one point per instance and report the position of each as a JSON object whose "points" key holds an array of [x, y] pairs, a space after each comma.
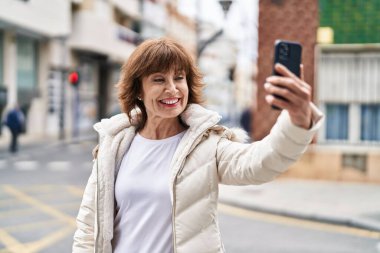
{"points": [[348, 81], [25, 40]]}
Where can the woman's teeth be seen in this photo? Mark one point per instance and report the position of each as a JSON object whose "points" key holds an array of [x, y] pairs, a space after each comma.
{"points": [[169, 101]]}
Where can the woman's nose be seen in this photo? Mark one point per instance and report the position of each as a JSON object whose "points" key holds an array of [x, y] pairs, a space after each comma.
{"points": [[171, 86]]}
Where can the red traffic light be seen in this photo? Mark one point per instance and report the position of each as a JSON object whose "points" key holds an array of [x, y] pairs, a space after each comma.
{"points": [[74, 78]]}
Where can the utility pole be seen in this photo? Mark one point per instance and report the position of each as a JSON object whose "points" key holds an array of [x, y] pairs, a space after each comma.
{"points": [[62, 102]]}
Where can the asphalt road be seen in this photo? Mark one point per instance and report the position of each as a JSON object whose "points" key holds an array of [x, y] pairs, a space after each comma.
{"points": [[245, 231], [41, 189]]}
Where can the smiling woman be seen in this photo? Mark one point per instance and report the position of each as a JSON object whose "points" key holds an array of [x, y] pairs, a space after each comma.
{"points": [[154, 183]]}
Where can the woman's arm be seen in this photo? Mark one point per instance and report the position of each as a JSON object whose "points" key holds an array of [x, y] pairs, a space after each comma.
{"points": [[84, 237], [262, 161]]}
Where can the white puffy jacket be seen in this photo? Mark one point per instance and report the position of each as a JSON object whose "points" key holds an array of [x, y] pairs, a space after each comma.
{"points": [[207, 155]]}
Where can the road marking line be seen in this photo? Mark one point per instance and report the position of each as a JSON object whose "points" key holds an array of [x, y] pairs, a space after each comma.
{"points": [[45, 196], [29, 226], [37, 188], [65, 206], [50, 239], [59, 166], [77, 191], [39, 205], [26, 165], [11, 244], [17, 212], [272, 218]]}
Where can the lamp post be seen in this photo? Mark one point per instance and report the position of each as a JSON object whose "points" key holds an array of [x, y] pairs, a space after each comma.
{"points": [[202, 44], [226, 4]]}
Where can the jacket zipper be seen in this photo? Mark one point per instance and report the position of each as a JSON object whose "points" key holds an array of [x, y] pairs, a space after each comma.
{"points": [[97, 207], [173, 214], [196, 141]]}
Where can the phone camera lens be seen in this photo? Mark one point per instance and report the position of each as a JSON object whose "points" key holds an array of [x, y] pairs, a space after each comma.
{"points": [[284, 51]]}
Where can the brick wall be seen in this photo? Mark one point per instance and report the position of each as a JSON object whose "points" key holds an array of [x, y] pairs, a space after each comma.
{"points": [[293, 20]]}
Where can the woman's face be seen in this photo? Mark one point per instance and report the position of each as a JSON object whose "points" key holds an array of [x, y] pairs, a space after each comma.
{"points": [[165, 95]]}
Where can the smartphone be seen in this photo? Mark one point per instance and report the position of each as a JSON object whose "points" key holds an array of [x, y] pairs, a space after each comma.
{"points": [[289, 54]]}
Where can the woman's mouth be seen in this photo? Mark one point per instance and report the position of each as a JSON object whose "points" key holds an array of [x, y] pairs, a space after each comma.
{"points": [[171, 102]]}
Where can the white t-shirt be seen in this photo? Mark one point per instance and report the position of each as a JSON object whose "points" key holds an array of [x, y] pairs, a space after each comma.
{"points": [[143, 222]]}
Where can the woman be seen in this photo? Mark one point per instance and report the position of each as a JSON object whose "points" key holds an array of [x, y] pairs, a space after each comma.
{"points": [[154, 184]]}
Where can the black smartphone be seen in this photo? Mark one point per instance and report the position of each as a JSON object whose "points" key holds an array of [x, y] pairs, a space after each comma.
{"points": [[289, 54]]}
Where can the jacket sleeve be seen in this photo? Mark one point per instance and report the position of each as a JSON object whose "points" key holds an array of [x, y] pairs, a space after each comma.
{"points": [[84, 237], [262, 161]]}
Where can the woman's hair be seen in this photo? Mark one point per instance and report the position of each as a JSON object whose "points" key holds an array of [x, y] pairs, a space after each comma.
{"points": [[152, 56]]}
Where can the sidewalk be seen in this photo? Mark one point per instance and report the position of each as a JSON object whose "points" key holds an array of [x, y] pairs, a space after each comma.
{"points": [[29, 142], [352, 204]]}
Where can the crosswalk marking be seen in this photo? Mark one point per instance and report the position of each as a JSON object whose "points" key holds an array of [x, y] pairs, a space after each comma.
{"points": [[55, 166], [26, 165], [59, 166]]}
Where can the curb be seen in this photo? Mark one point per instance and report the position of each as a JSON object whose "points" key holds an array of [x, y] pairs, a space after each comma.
{"points": [[361, 223]]}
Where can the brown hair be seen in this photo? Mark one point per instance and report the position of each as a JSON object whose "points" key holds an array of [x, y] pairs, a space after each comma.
{"points": [[152, 56]]}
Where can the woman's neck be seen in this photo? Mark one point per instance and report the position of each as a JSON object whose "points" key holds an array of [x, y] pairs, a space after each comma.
{"points": [[161, 129]]}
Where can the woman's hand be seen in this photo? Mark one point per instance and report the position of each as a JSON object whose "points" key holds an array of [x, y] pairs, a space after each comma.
{"points": [[296, 92]]}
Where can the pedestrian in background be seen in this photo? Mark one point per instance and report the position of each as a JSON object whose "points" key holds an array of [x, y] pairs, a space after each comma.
{"points": [[15, 120], [246, 120], [154, 183]]}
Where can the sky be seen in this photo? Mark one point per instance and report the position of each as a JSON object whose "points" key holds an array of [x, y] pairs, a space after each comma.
{"points": [[241, 22]]}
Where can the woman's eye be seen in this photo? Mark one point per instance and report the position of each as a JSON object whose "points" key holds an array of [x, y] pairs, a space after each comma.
{"points": [[158, 80], [179, 78]]}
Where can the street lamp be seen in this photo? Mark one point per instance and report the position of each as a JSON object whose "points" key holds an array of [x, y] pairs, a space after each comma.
{"points": [[226, 6], [201, 45]]}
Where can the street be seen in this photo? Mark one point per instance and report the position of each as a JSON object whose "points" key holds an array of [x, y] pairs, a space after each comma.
{"points": [[245, 231], [41, 189]]}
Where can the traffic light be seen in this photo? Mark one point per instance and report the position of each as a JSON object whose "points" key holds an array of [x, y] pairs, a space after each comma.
{"points": [[74, 78]]}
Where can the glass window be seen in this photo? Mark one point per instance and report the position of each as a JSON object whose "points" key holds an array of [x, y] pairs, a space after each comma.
{"points": [[370, 122], [336, 121], [1, 59], [26, 63]]}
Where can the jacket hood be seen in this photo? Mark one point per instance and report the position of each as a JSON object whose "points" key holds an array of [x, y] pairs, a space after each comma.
{"points": [[195, 116], [113, 125]]}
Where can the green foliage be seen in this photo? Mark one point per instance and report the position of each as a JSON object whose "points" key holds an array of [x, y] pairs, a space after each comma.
{"points": [[353, 21]]}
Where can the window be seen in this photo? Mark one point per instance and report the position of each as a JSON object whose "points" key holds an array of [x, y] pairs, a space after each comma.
{"points": [[1, 59], [370, 122], [26, 63], [336, 121]]}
